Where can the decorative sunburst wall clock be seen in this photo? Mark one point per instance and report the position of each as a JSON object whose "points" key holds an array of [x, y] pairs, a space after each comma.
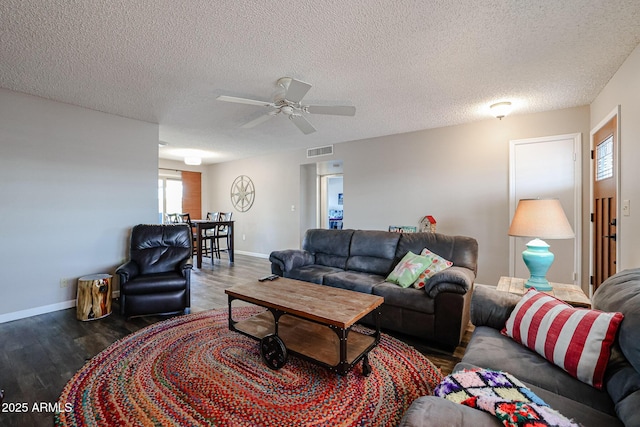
{"points": [[242, 193]]}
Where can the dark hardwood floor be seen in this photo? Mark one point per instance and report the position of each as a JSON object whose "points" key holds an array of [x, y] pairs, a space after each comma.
{"points": [[39, 355]]}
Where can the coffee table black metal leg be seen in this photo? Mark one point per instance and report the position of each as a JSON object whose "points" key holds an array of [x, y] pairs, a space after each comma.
{"points": [[366, 367]]}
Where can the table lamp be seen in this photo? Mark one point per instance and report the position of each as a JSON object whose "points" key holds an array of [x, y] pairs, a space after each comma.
{"points": [[540, 219]]}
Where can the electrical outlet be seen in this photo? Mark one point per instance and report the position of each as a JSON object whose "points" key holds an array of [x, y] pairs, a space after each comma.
{"points": [[244, 237], [65, 282]]}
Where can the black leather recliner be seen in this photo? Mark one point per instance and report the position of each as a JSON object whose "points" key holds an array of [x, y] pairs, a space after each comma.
{"points": [[157, 278]]}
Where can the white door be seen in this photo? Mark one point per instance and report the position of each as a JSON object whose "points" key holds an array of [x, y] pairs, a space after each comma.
{"points": [[547, 167]]}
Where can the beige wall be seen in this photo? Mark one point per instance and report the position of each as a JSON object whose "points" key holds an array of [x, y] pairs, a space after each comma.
{"points": [[624, 90], [458, 174]]}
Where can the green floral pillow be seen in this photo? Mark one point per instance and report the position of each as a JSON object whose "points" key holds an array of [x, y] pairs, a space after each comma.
{"points": [[408, 269], [436, 263]]}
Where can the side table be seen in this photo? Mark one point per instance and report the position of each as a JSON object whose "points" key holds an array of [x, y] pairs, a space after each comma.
{"points": [[571, 294], [94, 297]]}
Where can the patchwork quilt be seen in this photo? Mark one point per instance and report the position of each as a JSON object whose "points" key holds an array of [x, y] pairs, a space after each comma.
{"points": [[502, 395]]}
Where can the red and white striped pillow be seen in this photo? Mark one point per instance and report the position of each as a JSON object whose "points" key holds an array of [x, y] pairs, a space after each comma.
{"points": [[577, 340]]}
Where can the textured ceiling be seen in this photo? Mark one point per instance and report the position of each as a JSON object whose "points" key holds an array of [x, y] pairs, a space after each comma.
{"points": [[406, 65]]}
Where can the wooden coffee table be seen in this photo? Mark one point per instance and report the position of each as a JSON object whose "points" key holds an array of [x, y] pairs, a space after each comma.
{"points": [[311, 321]]}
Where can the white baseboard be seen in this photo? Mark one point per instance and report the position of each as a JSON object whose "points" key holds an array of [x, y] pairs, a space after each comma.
{"points": [[22, 314], [253, 254]]}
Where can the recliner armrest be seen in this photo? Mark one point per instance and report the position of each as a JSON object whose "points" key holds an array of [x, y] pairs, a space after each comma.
{"points": [[185, 266], [454, 279], [289, 259], [490, 307], [127, 271]]}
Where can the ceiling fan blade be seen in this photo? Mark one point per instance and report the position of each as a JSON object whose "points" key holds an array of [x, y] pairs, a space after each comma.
{"points": [[296, 90], [336, 110], [244, 101], [259, 120], [302, 124]]}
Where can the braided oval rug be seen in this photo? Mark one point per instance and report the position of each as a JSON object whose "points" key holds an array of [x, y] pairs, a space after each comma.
{"points": [[191, 371]]}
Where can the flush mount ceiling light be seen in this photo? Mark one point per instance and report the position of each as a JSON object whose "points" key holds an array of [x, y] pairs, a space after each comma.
{"points": [[500, 109], [192, 161]]}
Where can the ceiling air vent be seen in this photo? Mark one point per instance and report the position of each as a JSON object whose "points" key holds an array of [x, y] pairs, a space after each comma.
{"points": [[319, 151]]}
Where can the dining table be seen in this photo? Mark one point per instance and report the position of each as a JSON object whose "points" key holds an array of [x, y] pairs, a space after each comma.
{"points": [[201, 226]]}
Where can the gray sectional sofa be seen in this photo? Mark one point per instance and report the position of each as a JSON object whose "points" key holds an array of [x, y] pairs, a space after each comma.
{"points": [[360, 260], [617, 404]]}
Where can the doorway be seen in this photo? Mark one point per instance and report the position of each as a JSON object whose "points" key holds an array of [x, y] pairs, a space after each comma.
{"points": [[548, 167], [604, 199], [332, 191]]}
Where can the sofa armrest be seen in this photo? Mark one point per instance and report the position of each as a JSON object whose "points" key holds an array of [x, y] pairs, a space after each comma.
{"points": [[454, 279], [288, 259], [433, 411], [127, 271], [490, 307]]}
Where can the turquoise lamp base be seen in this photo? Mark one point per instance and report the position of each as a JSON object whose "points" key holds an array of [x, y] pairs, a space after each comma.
{"points": [[538, 259]]}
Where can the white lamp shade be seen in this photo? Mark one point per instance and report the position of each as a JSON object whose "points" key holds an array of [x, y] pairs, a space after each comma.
{"points": [[542, 218]]}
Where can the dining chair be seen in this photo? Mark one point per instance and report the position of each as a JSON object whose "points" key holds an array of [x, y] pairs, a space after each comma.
{"points": [[185, 218], [171, 218], [221, 232], [209, 234]]}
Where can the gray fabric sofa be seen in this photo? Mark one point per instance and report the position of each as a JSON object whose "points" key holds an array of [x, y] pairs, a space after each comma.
{"points": [[360, 260], [617, 404]]}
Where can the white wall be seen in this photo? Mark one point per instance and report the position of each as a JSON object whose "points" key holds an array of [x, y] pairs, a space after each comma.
{"points": [[73, 182], [624, 90], [270, 224], [458, 174]]}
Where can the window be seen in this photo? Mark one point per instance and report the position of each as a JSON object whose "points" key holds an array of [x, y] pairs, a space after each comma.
{"points": [[604, 159], [179, 192], [169, 196]]}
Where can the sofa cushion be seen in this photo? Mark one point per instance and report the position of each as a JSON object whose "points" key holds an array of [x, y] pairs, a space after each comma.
{"points": [[155, 283], [462, 251], [576, 410], [627, 409], [330, 247], [158, 248], [410, 298], [502, 395], [577, 340], [621, 378], [353, 281], [311, 273], [407, 271], [437, 264], [488, 348], [372, 251], [433, 411], [621, 293]]}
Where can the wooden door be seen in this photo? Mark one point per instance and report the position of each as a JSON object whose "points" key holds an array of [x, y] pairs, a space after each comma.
{"points": [[604, 216]]}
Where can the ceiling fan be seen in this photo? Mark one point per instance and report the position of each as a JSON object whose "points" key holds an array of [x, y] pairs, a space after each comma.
{"points": [[287, 101]]}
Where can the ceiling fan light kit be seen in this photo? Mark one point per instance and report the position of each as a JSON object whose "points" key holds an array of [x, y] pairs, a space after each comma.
{"points": [[500, 109], [288, 102], [192, 161]]}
